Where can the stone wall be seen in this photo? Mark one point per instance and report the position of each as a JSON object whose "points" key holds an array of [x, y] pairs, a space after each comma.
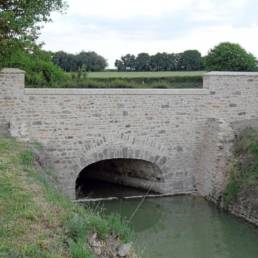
{"points": [[176, 129], [11, 93]]}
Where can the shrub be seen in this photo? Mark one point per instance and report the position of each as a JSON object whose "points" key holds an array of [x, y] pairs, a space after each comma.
{"points": [[230, 57], [37, 64]]}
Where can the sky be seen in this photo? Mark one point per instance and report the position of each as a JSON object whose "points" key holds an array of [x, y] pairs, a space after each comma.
{"points": [[113, 28]]}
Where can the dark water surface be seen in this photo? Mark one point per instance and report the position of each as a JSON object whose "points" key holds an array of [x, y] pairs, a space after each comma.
{"points": [[187, 227]]}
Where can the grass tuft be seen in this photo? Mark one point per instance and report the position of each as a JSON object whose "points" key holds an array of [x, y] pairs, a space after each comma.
{"points": [[27, 158], [78, 250]]}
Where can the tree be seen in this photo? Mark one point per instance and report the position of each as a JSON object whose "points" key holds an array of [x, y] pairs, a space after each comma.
{"points": [[142, 62], [38, 65], [190, 60], [172, 62], [19, 22], [160, 62], [126, 63], [129, 62], [119, 65], [92, 61], [66, 61], [230, 57], [19, 29], [73, 63]]}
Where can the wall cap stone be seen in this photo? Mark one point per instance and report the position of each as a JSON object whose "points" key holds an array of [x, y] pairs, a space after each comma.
{"points": [[11, 71], [217, 73], [42, 91]]}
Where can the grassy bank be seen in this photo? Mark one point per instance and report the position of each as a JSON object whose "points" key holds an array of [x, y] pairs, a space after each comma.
{"points": [[38, 221], [244, 171]]}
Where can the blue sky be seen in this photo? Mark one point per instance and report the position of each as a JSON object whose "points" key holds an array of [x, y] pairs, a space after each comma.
{"points": [[117, 27]]}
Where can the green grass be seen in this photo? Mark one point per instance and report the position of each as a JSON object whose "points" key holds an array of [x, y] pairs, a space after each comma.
{"points": [[244, 170], [38, 221], [78, 250], [142, 74]]}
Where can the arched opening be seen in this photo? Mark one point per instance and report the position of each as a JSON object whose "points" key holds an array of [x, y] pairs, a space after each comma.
{"points": [[118, 178]]}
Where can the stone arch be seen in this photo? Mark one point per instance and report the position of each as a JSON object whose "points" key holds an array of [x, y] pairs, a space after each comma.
{"points": [[131, 152]]}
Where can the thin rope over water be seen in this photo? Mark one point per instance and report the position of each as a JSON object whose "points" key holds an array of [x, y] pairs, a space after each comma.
{"points": [[140, 203]]}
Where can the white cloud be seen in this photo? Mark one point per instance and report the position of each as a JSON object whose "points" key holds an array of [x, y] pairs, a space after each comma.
{"points": [[113, 28], [126, 8]]}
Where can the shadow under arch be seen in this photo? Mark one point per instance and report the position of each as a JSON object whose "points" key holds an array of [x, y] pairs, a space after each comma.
{"points": [[141, 169]]}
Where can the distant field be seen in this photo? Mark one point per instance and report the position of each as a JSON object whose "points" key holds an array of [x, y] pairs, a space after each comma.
{"points": [[137, 80], [142, 74]]}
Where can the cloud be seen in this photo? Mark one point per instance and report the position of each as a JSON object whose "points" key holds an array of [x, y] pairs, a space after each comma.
{"points": [[116, 27]]}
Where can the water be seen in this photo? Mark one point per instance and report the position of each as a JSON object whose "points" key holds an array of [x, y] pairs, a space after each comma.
{"points": [[187, 227]]}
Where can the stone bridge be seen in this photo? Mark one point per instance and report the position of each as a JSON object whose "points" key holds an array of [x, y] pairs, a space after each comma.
{"points": [[175, 140]]}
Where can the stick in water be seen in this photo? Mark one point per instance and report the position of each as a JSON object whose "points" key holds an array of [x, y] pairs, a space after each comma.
{"points": [[140, 203]]}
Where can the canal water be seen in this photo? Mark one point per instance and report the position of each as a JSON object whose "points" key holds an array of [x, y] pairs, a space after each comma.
{"points": [[178, 226], [186, 227]]}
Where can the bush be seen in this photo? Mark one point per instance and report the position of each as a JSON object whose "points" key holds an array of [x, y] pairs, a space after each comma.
{"points": [[38, 66], [230, 57]]}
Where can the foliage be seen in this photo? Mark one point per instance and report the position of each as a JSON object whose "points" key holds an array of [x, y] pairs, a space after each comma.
{"points": [[160, 62], [36, 219], [127, 63], [244, 171], [19, 28], [37, 64], [189, 60], [19, 22], [142, 62], [91, 61], [230, 57]]}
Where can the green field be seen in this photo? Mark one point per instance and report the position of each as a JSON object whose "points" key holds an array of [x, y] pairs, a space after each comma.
{"points": [[142, 74], [137, 80]]}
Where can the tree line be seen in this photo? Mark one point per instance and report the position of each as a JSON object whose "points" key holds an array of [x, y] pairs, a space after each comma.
{"points": [[189, 60], [89, 61], [224, 57]]}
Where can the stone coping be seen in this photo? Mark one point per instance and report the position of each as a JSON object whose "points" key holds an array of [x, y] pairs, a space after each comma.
{"points": [[231, 74], [40, 91], [11, 71]]}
